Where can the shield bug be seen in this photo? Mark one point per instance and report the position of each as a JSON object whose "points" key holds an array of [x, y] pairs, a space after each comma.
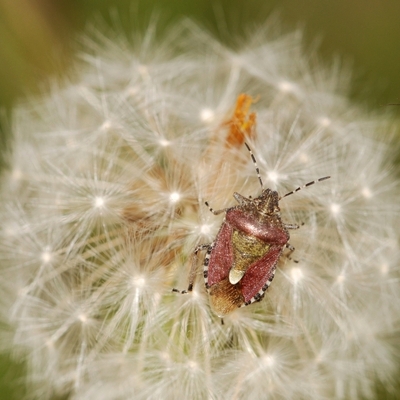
{"points": [[240, 263]]}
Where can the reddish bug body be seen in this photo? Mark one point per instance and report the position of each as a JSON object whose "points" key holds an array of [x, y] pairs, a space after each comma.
{"points": [[240, 263]]}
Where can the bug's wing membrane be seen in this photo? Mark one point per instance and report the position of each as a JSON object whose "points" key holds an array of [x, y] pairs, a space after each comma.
{"points": [[259, 273], [247, 250]]}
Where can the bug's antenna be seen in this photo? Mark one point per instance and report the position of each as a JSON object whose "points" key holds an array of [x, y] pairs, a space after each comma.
{"points": [[304, 186], [255, 165]]}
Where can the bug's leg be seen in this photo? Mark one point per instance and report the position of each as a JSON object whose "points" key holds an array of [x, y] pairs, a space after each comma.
{"points": [[291, 226], [193, 268], [215, 212], [291, 250]]}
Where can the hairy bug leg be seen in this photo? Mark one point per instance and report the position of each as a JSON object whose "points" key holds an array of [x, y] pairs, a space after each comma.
{"points": [[192, 274], [291, 250], [215, 212], [291, 226]]}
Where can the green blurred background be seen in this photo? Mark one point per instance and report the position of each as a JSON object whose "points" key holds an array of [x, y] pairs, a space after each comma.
{"points": [[38, 38]]}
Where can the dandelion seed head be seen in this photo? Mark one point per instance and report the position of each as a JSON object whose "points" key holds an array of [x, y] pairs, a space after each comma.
{"points": [[101, 215]]}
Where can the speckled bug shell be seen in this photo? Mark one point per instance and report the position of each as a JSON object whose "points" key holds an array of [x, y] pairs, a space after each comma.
{"points": [[240, 264]]}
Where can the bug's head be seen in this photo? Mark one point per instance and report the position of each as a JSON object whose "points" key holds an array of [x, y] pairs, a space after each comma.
{"points": [[268, 202]]}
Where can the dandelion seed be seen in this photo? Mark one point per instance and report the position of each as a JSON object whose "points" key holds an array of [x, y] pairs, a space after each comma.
{"points": [[341, 278], [164, 143], [269, 361], [384, 269], [106, 126], [83, 318], [99, 202], [46, 256], [335, 209], [273, 176], [139, 281], [205, 229], [207, 115], [286, 87], [304, 158], [16, 175], [366, 192], [324, 121], [174, 197], [296, 275]]}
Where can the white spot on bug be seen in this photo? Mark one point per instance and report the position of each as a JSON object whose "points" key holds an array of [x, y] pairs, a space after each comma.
{"points": [[207, 115], [46, 256], [99, 202], [324, 121], [164, 142], [296, 275], [335, 208], [174, 197], [366, 192]]}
